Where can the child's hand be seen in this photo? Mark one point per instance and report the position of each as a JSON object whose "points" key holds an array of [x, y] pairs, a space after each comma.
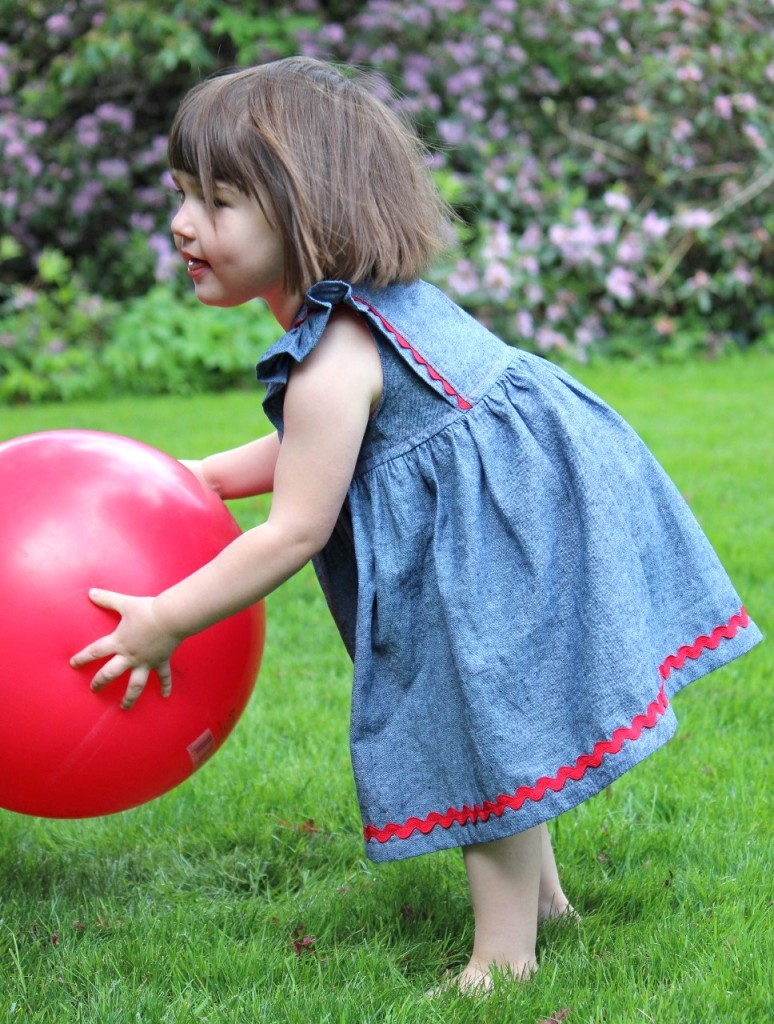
{"points": [[139, 644]]}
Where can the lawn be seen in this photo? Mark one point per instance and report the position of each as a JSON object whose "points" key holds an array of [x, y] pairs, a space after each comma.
{"points": [[245, 896]]}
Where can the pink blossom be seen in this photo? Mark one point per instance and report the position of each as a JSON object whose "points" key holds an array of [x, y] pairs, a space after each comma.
{"points": [[33, 165], [116, 115], [589, 331], [465, 80], [701, 281], [463, 280], [59, 24], [617, 201], [333, 34], [87, 131], [498, 280], [167, 258], [528, 264], [547, 338], [664, 326], [533, 293], [516, 55], [753, 133], [84, 200], [588, 37], [578, 243], [695, 220], [745, 101], [452, 132], [620, 284], [532, 239], [742, 274], [631, 249], [113, 169], [141, 222], [24, 298], [682, 129], [525, 325], [556, 312], [690, 73], [723, 107], [498, 245], [655, 226], [684, 160]]}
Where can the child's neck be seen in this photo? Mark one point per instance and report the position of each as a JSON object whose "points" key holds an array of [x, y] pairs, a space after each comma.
{"points": [[284, 307]]}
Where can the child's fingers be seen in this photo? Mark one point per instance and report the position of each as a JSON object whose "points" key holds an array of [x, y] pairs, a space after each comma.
{"points": [[110, 671], [107, 599], [164, 672], [137, 681], [101, 648]]}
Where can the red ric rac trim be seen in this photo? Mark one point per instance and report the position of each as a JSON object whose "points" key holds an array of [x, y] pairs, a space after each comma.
{"points": [[513, 801], [433, 374]]}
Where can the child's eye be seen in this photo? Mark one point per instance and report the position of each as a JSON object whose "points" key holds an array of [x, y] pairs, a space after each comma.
{"points": [[218, 203], [179, 196]]}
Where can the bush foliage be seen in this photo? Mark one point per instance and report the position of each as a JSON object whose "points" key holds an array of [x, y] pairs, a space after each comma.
{"points": [[610, 160], [58, 342]]}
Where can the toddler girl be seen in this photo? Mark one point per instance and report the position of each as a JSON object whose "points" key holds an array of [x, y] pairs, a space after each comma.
{"points": [[520, 586]]}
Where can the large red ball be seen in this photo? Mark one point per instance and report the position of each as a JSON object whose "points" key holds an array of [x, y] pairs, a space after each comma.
{"points": [[81, 509]]}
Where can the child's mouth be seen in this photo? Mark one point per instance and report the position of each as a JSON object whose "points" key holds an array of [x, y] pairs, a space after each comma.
{"points": [[196, 267]]}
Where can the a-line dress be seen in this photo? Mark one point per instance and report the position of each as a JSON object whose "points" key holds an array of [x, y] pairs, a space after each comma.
{"points": [[521, 587]]}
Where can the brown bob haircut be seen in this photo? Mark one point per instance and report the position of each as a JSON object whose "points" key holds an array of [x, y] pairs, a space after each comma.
{"points": [[336, 172]]}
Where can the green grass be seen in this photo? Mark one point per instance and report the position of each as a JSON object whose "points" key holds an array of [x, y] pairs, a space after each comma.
{"points": [[195, 907]]}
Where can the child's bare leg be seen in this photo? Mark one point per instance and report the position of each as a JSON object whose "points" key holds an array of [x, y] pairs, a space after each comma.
{"points": [[504, 879], [551, 899]]}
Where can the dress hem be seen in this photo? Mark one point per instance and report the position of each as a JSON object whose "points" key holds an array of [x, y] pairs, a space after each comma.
{"points": [[463, 826]]}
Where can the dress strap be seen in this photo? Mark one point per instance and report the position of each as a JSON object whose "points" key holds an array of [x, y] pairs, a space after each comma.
{"points": [[276, 365]]}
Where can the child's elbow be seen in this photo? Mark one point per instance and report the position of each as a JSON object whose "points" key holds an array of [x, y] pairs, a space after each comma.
{"points": [[304, 540]]}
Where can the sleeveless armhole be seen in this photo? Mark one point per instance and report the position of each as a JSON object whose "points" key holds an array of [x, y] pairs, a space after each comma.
{"points": [[276, 365]]}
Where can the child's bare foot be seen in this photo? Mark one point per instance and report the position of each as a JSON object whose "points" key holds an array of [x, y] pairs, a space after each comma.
{"points": [[504, 878], [479, 979], [557, 908]]}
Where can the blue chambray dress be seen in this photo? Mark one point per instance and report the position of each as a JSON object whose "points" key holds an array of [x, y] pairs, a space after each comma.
{"points": [[520, 586]]}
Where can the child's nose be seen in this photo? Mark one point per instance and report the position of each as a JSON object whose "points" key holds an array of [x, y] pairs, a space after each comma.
{"points": [[182, 223]]}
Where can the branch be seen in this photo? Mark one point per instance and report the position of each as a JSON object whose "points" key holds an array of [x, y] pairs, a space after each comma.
{"points": [[591, 142], [747, 194]]}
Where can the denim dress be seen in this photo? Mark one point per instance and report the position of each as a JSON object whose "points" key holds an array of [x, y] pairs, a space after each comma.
{"points": [[521, 587]]}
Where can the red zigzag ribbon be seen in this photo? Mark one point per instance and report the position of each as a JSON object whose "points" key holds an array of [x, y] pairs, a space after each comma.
{"points": [[513, 801]]}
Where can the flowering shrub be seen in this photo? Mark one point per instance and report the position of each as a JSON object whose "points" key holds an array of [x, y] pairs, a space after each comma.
{"points": [[610, 160], [88, 89]]}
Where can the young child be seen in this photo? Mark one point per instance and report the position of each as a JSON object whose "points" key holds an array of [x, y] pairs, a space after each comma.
{"points": [[520, 586]]}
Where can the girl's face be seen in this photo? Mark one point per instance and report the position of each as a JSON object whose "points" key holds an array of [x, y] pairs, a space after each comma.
{"points": [[235, 255]]}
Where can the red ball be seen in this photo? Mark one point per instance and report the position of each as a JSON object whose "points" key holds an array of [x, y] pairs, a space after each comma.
{"points": [[82, 509]]}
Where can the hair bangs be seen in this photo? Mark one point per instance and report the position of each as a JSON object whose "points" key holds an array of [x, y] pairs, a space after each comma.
{"points": [[209, 139]]}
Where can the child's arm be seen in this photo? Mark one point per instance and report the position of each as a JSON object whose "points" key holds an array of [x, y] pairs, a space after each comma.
{"points": [[240, 472], [328, 402]]}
